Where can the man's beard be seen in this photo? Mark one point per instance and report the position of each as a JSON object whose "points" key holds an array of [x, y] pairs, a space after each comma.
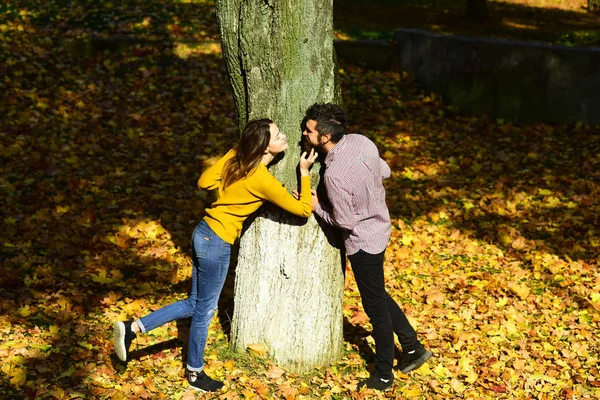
{"points": [[307, 146]]}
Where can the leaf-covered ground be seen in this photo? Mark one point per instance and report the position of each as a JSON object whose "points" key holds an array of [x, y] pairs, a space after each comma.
{"points": [[494, 254], [565, 22]]}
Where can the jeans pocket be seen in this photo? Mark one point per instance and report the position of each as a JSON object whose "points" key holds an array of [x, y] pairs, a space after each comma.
{"points": [[201, 241]]}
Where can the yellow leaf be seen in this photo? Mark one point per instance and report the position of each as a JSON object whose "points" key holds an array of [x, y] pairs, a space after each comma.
{"points": [[25, 311], [434, 296], [519, 243], [553, 202], [116, 275], [519, 289], [471, 377], [457, 385], [544, 192], [502, 302], [132, 308], [18, 377], [150, 385], [479, 283], [229, 365], [275, 372], [85, 345], [101, 277], [257, 349], [571, 204], [406, 239], [511, 328], [468, 205], [548, 347], [64, 303], [442, 371], [411, 392]]}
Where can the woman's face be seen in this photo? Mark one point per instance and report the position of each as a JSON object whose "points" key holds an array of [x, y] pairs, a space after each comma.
{"points": [[277, 144]]}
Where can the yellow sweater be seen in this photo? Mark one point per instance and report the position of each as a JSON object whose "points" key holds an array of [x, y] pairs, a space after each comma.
{"points": [[234, 204]]}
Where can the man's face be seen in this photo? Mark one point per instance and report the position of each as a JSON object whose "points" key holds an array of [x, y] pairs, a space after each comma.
{"points": [[311, 133]]}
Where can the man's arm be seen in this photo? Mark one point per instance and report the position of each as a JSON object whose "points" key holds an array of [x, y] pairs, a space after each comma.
{"points": [[341, 213], [385, 169]]}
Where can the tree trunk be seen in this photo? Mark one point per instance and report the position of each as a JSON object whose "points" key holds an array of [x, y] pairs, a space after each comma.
{"points": [[477, 9], [289, 279], [594, 6]]}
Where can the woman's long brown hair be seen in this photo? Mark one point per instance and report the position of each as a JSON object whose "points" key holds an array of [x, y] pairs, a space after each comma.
{"points": [[249, 151]]}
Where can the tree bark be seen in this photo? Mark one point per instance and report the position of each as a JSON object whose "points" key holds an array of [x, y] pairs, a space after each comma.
{"points": [[477, 9], [289, 279], [594, 6]]}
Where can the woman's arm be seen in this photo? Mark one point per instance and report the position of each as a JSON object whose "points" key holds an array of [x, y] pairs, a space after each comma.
{"points": [[278, 195], [211, 178]]}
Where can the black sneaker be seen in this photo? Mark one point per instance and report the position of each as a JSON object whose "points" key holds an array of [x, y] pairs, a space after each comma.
{"points": [[409, 362], [202, 382], [123, 336], [376, 383]]}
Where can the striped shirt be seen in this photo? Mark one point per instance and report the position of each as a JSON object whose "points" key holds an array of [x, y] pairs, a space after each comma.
{"points": [[353, 177]]}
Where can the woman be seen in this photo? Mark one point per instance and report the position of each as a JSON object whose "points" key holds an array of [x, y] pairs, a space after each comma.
{"points": [[243, 184]]}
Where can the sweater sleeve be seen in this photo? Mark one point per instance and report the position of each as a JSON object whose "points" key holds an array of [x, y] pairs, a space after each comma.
{"points": [[274, 192], [211, 178]]}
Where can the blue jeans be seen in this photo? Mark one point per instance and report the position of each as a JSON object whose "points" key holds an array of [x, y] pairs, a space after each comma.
{"points": [[210, 257]]}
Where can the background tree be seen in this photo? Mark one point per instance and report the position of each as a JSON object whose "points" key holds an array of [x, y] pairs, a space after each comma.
{"points": [[477, 9], [289, 281], [594, 6]]}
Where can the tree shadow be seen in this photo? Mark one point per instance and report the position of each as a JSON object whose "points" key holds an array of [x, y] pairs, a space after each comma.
{"points": [[356, 335]]}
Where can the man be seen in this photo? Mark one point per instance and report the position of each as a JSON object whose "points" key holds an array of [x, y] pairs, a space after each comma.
{"points": [[353, 178]]}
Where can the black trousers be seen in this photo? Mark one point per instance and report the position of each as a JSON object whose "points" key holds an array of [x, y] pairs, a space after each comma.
{"points": [[386, 316]]}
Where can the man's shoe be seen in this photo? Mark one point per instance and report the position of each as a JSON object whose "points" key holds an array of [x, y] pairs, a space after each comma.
{"points": [[409, 362], [202, 382], [376, 383], [123, 336]]}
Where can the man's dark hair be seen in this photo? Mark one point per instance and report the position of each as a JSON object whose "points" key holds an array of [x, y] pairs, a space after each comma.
{"points": [[330, 118]]}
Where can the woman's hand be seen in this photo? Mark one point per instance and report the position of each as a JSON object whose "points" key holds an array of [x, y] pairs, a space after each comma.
{"points": [[306, 161], [315, 199]]}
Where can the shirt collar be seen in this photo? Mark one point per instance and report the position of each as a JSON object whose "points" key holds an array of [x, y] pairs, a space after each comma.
{"points": [[336, 149]]}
